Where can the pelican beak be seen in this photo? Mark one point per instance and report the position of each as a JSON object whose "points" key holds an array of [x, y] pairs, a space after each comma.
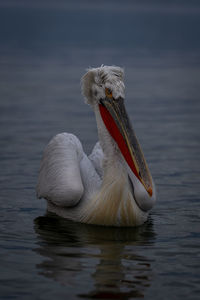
{"points": [[116, 120]]}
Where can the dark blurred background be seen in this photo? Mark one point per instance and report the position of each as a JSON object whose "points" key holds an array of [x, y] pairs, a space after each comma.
{"points": [[47, 28]]}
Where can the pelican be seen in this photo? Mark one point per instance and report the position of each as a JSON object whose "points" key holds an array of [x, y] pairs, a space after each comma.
{"points": [[113, 185]]}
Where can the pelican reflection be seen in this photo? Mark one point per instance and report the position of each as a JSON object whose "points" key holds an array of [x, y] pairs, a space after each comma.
{"points": [[100, 262]]}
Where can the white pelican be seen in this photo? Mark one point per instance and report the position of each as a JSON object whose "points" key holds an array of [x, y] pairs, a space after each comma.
{"points": [[113, 185]]}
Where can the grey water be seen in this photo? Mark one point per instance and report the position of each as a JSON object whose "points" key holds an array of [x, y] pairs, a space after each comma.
{"points": [[45, 47]]}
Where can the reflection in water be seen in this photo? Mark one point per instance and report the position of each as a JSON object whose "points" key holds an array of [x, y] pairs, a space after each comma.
{"points": [[74, 250]]}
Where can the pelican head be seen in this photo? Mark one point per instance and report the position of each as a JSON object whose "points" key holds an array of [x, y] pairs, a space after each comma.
{"points": [[99, 83], [104, 87]]}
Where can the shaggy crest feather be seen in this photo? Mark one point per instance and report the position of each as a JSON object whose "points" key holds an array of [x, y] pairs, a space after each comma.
{"points": [[96, 80]]}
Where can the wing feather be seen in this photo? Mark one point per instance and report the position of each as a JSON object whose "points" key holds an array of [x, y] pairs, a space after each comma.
{"points": [[59, 177]]}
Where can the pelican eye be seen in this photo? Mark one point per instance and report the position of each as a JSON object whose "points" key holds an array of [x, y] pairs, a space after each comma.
{"points": [[108, 93]]}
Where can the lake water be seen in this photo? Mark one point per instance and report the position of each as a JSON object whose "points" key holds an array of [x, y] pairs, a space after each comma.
{"points": [[45, 49]]}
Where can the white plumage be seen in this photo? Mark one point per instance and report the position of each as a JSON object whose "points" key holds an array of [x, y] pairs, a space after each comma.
{"points": [[112, 186]]}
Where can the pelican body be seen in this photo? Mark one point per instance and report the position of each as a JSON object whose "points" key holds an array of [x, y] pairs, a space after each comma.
{"points": [[113, 185]]}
